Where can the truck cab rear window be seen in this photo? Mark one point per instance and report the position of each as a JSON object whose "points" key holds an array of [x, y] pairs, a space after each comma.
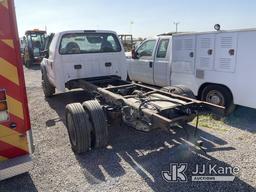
{"points": [[82, 43]]}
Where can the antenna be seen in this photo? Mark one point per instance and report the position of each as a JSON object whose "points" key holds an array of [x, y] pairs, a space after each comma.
{"points": [[176, 24]]}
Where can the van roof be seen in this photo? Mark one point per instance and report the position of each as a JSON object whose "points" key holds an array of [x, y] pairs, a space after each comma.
{"points": [[207, 32]]}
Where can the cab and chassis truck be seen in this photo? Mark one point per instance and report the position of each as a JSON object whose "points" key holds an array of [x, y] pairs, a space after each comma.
{"points": [[95, 61]]}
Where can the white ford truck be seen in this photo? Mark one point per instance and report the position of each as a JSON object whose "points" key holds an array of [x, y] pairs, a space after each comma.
{"points": [[95, 61], [219, 67]]}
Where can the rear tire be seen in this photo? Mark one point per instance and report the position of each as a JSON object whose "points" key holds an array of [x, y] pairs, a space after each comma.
{"points": [[219, 95], [99, 123], [179, 90], [79, 128], [183, 91], [48, 89]]}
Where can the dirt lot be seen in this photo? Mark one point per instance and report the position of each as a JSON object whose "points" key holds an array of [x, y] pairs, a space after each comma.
{"points": [[134, 160]]}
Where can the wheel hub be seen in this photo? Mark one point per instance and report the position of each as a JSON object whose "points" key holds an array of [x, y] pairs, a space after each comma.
{"points": [[215, 97]]}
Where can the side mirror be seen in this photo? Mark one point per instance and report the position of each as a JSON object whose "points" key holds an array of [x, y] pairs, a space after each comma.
{"points": [[45, 53], [134, 54]]}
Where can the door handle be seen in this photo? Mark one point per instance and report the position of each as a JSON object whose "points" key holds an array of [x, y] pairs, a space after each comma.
{"points": [[108, 64], [77, 67], [150, 64]]}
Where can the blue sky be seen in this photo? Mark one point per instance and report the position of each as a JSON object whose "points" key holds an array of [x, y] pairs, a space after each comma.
{"points": [[150, 17]]}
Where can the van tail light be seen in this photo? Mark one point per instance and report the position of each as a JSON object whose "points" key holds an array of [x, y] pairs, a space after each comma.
{"points": [[4, 116]]}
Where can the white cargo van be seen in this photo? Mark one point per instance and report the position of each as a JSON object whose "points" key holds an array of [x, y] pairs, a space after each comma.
{"points": [[219, 67]]}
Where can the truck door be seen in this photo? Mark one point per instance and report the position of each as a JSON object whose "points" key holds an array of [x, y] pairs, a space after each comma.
{"points": [[225, 59], [162, 68], [142, 67], [183, 54]]}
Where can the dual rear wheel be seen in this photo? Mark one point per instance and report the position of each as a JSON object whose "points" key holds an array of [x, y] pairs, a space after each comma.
{"points": [[87, 126]]}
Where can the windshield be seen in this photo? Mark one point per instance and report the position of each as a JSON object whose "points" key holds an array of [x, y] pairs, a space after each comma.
{"points": [[36, 40], [80, 43]]}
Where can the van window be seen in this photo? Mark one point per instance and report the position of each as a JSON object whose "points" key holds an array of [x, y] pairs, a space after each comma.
{"points": [[82, 43], [162, 49], [146, 49]]}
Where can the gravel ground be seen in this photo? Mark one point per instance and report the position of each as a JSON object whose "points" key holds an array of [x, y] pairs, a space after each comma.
{"points": [[134, 160]]}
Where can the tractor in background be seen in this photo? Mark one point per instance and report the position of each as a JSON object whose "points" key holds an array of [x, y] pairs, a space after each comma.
{"points": [[34, 46]]}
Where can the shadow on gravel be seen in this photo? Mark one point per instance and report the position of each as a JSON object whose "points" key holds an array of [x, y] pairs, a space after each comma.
{"points": [[148, 154], [243, 118], [17, 184], [58, 103]]}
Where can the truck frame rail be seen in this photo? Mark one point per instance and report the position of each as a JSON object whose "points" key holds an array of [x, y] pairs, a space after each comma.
{"points": [[126, 96]]}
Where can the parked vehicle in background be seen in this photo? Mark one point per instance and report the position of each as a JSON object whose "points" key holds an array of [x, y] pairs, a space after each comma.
{"points": [[22, 45], [34, 45], [219, 67], [16, 143], [82, 54], [127, 41]]}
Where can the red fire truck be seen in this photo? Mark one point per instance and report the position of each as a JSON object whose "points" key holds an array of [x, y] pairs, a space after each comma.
{"points": [[15, 129]]}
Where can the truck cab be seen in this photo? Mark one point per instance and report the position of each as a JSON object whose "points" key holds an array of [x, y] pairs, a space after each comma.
{"points": [[150, 61], [81, 55]]}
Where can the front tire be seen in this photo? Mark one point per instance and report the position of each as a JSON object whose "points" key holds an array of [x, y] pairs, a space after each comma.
{"points": [[48, 89], [219, 95], [182, 91], [179, 90]]}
